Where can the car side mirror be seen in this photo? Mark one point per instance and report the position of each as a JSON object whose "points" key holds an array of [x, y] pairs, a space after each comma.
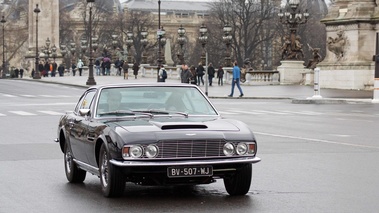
{"points": [[84, 112]]}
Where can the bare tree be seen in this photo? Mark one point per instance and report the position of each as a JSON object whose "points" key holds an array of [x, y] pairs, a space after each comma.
{"points": [[253, 27]]}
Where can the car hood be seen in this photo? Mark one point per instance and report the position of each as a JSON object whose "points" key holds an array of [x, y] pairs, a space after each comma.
{"points": [[166, 124]]}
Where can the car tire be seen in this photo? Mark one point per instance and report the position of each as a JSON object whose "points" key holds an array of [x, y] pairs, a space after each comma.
{"points": [[112, 180], [73, 173], [239, 182]]}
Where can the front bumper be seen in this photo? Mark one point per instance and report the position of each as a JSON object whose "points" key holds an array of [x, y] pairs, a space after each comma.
{"points": [[186, 162]]}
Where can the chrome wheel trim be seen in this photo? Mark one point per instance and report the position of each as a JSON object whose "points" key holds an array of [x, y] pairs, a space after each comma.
{"points": [[104, 169], [68, 159]]}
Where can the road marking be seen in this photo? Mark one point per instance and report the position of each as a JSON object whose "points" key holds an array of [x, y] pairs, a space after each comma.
{"points": [[317, 140], [248, 112], [2, 114], [10, 96], [227, 113], [52, 112], [29, 96], [271, 112], [21, 113], [47, 96], [303, 112]]}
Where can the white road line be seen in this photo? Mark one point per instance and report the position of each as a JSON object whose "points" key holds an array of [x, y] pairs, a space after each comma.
{"points": [[248, 112], [52, 112], [302, 112], [2, 114], [10, 96], [271, 112], [316, 140], [227, 113], [21, 113], [29, 96], [47, 96]]}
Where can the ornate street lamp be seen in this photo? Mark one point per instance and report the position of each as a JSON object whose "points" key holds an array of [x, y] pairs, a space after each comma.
{"points": [[72, 51], [46, 50], [159, 34], [129, 43], [292, 48], [4, 66], [203, 40], [144, 43], [227, 38], [64, 53], [163, 43], [114, 44], [181, 41], [91, 78], [36, 72]]}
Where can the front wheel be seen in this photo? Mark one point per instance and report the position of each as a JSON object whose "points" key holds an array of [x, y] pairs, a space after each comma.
{"points": [[73, 173], [239, 182], [112, 180]]}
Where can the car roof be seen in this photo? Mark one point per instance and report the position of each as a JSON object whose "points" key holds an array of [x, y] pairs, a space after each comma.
{"points": [[142, 84]]}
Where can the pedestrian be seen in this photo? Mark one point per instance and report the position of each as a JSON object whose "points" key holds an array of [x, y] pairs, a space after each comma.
{"points": [[54, 70], [125, 67], [200, 71], [80, 66], [41, 69], [21, 72], [162, 74], [97, 66], [16, 72], [193, 78], [185, 74], [33, 72], [61, 70], [102, 65], [236, 80], [135, 70], [46, 69], [220, 75], [211, 73], [107, 65], [73, 67]]}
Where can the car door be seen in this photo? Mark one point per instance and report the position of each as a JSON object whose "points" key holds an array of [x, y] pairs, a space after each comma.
{"points": [[79, 127]]}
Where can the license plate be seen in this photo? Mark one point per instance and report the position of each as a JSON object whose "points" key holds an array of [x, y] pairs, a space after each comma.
{"points": [[189, 171]]}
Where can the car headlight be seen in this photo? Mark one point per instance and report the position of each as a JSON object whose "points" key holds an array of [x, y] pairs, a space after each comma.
{"points": [[242, 149], [135, 151], [228, 149], [151, 151]]}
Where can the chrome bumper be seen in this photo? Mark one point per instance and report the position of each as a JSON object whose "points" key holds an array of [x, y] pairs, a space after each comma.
{"points": [[185, 163]]}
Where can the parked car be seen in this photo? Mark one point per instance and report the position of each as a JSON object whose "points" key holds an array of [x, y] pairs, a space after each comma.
{"points": [[154, 134]]}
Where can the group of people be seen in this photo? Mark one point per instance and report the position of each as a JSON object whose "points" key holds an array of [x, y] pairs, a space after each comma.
{"points": [[103, 67], [47, 67], [194, 75]]}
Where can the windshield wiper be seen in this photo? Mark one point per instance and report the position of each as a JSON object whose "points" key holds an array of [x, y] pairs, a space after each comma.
{"points": [[153, 111], [126, 113]]}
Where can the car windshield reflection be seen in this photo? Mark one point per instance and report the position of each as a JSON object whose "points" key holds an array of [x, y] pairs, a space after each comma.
{"points": [[132, 101]]}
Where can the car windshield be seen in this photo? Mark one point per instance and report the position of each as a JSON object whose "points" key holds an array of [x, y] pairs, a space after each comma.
{"points": [[158, 100]]}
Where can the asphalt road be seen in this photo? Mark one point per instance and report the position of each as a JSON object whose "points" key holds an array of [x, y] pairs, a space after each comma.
{"points": [[315, 158]]}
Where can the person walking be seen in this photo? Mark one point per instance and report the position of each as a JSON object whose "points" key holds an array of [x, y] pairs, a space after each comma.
{"points": [[125, 67], [61, 70], [162, 75], [211, 73], [80, 66], [54, 69], [73, 67], [41, 69], [185, 75], [236, 80], [21, 72], [193, 77], [97, 66], [200, 71], [46, 69], [220, 75], [135, 70]]}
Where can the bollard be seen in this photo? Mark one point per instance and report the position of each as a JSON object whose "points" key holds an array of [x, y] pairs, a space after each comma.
{"points": [[316, 94]]}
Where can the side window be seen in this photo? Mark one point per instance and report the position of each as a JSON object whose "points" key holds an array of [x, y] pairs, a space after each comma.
{"points": [[85, 101]]}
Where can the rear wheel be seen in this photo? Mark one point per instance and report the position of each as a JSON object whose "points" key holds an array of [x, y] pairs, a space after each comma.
{"points": [[73, 173], [112, 180], [239, 183]]}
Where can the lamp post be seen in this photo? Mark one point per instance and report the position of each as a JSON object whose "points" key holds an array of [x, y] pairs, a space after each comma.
{"points": [[144, 42], [129, 43], [36, 72], [72, 51], [181, 41], [4, 66], [163, 43], [91, 78], [63, 52], [227, 38], [203, 40], [159, 39], [293, 18]]}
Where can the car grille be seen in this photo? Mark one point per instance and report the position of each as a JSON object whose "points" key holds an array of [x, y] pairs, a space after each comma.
{"points": [[190, 149]]}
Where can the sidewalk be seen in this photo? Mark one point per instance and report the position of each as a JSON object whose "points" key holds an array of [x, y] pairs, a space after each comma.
{"points": [[297, 93]]}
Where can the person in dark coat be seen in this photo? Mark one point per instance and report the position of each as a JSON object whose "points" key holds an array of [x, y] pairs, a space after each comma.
{"points": [[211, 73], [200, 71], [73, 67], [46, 69], [135, 70], [41, 69], [55, 66], [220, 75], [61, 70], [21, 72], [193, 78], [185, 75], [125, 67]]}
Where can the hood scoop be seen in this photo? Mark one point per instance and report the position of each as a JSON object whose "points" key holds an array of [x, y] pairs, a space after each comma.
{"points": [[181, 125]]}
